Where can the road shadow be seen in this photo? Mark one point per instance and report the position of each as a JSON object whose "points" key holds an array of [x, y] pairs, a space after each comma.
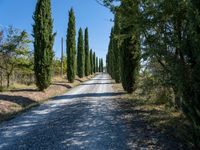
{"points": [[95, 83], [108, 124], [102, 79], [95, 95]]}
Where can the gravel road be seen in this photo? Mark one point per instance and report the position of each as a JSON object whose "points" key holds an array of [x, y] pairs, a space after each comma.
{"points": [[88, 117]]}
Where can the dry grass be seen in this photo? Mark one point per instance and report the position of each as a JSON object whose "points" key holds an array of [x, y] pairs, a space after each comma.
{"points": [[165, 119], [21, 97]]}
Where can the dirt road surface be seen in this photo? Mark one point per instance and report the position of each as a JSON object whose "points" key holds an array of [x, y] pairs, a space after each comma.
{"points": [[88, 117]]}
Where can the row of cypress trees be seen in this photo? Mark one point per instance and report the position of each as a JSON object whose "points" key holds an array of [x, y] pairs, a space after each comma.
{"points": [[87, 62], [123, 58], [86, 59]]}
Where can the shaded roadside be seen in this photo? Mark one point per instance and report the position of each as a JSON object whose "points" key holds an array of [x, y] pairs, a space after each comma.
{"points": [[157, 118], [21, 99]]}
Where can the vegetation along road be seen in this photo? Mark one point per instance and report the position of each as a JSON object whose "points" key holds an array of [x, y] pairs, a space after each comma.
{"points": [[89, 116]]}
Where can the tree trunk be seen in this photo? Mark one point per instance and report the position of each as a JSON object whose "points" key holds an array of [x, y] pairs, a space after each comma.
{"points": [[8, 80]]}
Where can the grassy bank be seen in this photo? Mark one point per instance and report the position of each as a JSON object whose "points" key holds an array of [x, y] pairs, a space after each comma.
{"points": [[160, 116]]}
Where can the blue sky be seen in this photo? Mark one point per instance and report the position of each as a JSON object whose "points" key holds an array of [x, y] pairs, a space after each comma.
{"points": [[88, 14]]}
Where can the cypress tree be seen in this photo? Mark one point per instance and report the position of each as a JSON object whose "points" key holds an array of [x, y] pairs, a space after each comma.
{"points": [[116, 49], [111, 69], [97, 64], [87, 58], [130, 48], [101, 65], [43, 43], [80, 55], [91, 62], [71, 47], [94, 63]]}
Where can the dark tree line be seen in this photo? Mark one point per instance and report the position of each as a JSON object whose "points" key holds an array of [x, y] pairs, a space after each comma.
{"points": [[165, 37]]}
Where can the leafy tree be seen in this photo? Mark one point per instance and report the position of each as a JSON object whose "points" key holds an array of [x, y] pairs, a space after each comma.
{"points": [[80, 55], [43, 43], [87, 58], [14, 51], [71, 47], [170, 48]]}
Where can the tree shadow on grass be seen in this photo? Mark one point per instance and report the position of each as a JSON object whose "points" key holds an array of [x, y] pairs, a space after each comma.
{"points": [[20, 100], [25, 90], [65, 85]]}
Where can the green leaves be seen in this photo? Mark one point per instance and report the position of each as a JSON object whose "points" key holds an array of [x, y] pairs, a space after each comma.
{"points": [[43, 43], [81, 55], [71, 47]]}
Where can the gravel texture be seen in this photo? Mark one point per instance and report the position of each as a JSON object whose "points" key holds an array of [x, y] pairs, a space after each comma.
{"points": [[89, 117]]}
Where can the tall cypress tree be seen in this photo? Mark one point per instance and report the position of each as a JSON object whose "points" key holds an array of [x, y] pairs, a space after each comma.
{"points": [[111, 69], [71, 47], [97, 64], [87, 58], [43, 43], [80, 55], [130, 48], [101, 65], [116, 49], [94, 63], [91, 62]]}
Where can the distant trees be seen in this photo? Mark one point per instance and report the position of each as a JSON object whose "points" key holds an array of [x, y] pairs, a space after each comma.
{"points": [[86, 59], [101, 65], [80, 55], [43, 43], [71, 47]]}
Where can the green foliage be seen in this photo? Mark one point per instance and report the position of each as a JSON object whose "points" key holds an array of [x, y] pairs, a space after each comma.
{"points": [[43, 43], [87, 57], [94, 63], [80, 55], [91, 62], [71, 47], [116, 49], [14, 53], [124, 47], [100, 65], [97, 64], [110, 57]]}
